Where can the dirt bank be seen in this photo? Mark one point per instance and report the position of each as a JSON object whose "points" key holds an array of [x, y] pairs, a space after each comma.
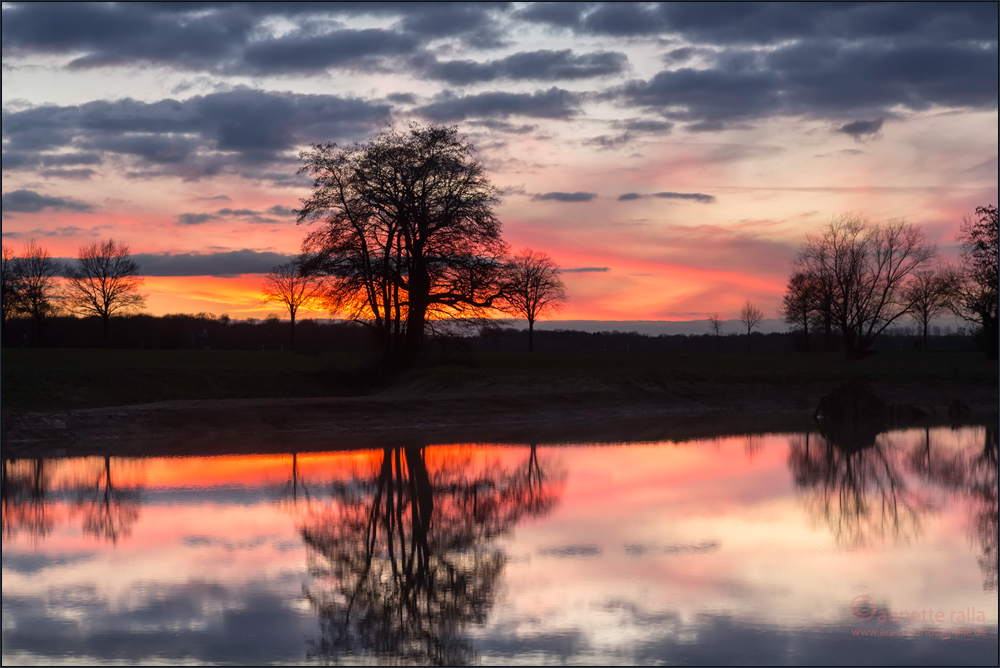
{"points": [[566, 411]]}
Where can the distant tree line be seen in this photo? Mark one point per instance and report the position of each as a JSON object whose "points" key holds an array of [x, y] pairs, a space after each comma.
{"points": [[202, 331], [205, 331]]}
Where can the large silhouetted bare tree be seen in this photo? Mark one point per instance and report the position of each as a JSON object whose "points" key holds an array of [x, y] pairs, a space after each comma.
{"points": [[535, 288], [407, 232], [975, 285], [286, 284], [865, 267], [104, 281]]}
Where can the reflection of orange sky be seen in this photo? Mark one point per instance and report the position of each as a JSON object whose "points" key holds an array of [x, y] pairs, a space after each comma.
{"points": [[165, 473]]}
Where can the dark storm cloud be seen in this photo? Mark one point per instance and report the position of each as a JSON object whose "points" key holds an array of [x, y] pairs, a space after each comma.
{"points": [[504, 126], [197, 136], [232, 38], [28, 201], [838, 61], [72, 174], [679, 55], [859, 129], [585, 270], [820, 79], [125, 34], [251, 216], [195, 218], [304, 52], [694, 197], [828, 60], [70, 159], [525, 65], [551, 103], [227, 264], [562, 14], [770, 23], [474, 23], [564, 197]]}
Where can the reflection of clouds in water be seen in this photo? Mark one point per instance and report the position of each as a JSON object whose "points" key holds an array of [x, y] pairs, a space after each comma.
{"points": [[250, 543], [639, 550], [29, 564], [196, 622], [564, 551]]}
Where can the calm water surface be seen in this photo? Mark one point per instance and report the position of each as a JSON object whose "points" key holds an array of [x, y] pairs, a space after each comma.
{"points": [[775, 548]]}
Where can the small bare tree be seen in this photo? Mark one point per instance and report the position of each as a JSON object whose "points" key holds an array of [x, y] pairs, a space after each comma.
{"points": [[12, 289], [801, 302], [715, 324], [36, 273], [750, 316], [534, 288], [288, 285], [929, 294], [105, 281]]}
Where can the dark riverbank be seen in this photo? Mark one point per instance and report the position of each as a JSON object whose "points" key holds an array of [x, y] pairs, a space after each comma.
{"points": [[593, 412], [141, 402]]}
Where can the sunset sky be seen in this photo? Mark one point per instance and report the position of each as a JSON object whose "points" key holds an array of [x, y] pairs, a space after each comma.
{"points": [[671, 158]]}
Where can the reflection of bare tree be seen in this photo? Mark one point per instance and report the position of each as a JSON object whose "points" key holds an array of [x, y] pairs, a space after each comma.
{"points": [[972, 474], [294, 489], [753, 446], [109, 511], [25, 498], [858, 492], [407, 556]]}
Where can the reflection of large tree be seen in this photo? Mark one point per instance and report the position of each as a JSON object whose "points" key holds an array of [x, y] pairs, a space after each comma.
{"points": [[407, 554], [970, 473], [109, 511], [26, 506], [858, 491]]}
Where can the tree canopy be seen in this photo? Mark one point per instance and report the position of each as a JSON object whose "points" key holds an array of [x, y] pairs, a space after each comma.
{"points": [[406, 233]]}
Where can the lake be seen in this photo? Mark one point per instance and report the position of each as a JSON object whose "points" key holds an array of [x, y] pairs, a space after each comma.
{"points": [[763, 548]]}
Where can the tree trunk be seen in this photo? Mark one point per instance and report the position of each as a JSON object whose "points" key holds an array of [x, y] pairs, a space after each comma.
{"points": [[531, 335], [850, 345], [925, 336], [990, 330], [292, 346], [418, 301], [104, 322]]}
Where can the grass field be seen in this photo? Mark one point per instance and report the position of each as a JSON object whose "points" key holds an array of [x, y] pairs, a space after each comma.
{"points": [[60, 379]]}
